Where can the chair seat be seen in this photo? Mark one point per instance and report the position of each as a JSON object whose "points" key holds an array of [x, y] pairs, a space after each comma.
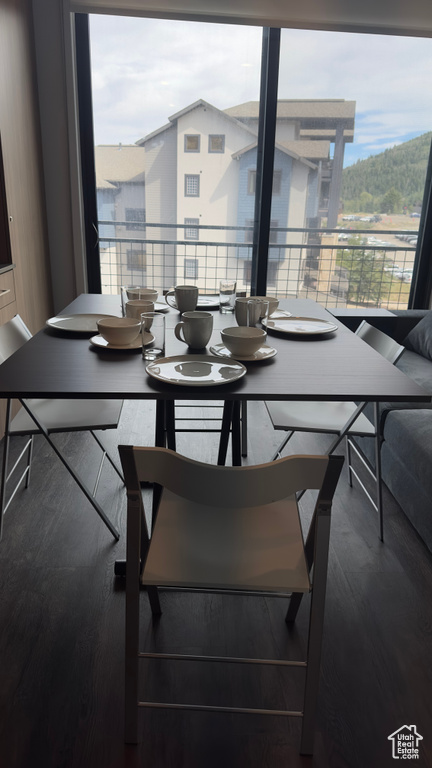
{"points": [[67, 415], [194, 545], [325, 417]]}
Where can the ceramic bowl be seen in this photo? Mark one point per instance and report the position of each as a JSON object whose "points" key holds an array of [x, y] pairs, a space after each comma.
{"points": [[243, 340], [119, 330]]}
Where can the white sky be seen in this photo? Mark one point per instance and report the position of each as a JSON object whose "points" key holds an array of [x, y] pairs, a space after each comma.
{"points": [[145, 70]]}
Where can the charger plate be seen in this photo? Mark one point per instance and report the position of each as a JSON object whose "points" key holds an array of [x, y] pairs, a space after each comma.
{"points": [[195, 370], [302, 326]]}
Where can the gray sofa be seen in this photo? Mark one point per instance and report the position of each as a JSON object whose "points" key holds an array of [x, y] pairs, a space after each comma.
{"points": [[407, 427]]}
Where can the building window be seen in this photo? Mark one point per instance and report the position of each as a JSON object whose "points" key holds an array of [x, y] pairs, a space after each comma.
{"points": [[192, 185], [136, 219], [191, 269], [136, 260], [192, 142], [191, 229], [277, 182], [216, 143], [273, 236]]}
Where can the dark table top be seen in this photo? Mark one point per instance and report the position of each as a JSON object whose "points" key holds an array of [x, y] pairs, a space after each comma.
{"points": [[336, 367]]}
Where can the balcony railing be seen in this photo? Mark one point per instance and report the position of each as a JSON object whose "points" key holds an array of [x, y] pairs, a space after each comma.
{"points": [[335, 267]]}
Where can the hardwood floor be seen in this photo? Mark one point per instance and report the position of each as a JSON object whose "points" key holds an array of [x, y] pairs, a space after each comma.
{"points": [[62, 617]]}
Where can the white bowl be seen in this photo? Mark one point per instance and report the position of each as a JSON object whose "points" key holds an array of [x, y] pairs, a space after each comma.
{"points": [[242, 340], [119, 330]]}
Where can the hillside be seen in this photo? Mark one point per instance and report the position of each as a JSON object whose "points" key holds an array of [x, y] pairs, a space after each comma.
{"points": [[401, 168]]}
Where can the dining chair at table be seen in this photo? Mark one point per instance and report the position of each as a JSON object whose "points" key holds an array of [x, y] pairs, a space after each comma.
{"points": [[332, 418], [46, 416], [230, 530]]}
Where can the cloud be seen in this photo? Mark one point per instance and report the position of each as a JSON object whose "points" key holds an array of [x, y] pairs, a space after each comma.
{"points": [[144, 70]]}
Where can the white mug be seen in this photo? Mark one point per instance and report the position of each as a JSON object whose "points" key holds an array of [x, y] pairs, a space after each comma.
{"points": [[135, 307], [196, 328], [250, 310], [185, 298]]}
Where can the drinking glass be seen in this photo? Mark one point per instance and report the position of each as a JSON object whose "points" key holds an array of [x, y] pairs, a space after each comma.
{"points": [[227, 295], [153, 323]]}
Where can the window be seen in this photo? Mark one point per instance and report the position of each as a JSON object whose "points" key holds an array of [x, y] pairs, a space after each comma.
{"points": [[192, 185], [277, 180], [191, 269], [191, 229], [216, 143], [136, 259], [136, 217], [272, 272], [192, 142]]}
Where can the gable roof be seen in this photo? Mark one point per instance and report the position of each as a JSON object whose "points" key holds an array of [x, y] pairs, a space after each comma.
{"points": [[283, 147], [118, 163]]}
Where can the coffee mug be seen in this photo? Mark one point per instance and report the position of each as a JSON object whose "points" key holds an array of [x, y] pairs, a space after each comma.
{"points": [[185, 298], [135, 307], [195, 329], [250, 310]]}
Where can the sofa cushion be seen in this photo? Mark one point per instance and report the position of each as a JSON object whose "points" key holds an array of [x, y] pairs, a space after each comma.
{"points": [[417, 368], [409, 435], [420, 338]]}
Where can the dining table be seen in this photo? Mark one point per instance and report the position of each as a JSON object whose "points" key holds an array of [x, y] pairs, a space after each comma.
{"points": [[334, 365]]}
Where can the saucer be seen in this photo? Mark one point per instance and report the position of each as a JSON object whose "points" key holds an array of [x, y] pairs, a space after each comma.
{"points": [[263, 353], [99, 341]]}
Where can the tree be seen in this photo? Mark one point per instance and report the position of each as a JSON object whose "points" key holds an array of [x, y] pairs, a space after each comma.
{"points": [[367, 280], [391, 202]]}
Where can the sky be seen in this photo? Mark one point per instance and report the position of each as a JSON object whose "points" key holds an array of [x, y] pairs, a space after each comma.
{"points": [[145, 70]]}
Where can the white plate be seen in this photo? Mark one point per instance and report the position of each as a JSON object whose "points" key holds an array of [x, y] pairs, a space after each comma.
{"points": [[208, 302], [195, 371], [99, 341], [160, 307], [264, 353], [86, 323], [303, 326]]}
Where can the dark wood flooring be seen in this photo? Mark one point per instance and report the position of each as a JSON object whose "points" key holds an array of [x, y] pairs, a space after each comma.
{"points": [[62, 617]]}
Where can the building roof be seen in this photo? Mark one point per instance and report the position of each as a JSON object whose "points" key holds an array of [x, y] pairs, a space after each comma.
{"points": [[289, 148], [299, 109], [310, 150], [118, 163]]}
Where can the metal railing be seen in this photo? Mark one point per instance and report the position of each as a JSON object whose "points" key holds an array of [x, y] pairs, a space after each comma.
{"points": [[342, 267]]}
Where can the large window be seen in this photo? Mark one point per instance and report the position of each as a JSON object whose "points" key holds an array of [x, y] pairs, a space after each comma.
{"points": [[340, 193]]}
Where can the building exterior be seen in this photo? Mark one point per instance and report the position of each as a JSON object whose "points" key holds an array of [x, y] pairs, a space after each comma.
{"points": [[197, 177]]}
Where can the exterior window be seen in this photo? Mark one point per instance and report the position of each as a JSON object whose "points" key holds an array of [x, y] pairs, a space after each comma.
{"points": [[273, 236], [136, 260], [277, 180], [136, 217], [191, 269], [272, 271], [192, 185], [216, 143], [192, 142], [191, 229]]}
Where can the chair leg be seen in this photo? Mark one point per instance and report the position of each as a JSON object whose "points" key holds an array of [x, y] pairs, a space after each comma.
{"points": [[105, 453], [282, 445], [153, 596], [348, 450], [4, 465], [29, 461], [378, 442]]}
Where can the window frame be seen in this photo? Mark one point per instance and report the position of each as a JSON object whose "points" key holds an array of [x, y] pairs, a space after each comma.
{"points": [[192, 136], [216, 136], [190, 261], [191, 223], [192, 176]]}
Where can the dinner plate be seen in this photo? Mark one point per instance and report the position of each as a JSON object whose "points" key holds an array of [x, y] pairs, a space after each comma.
{"points": [[160, 307], [195, 370], [86, 323], [303, 326], [264, 353], [99, 341], [208, 302]]}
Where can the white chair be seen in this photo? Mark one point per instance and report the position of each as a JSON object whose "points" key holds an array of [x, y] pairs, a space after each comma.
{"points": [[47, 416], [228, 530], [332, 418]]}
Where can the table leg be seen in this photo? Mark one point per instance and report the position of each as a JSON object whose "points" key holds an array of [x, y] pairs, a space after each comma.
{"points": [[225, 431], [236, 442]]}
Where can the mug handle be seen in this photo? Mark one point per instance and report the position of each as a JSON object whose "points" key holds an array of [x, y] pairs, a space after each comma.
{"points": [[170, 293], [177, 331]]}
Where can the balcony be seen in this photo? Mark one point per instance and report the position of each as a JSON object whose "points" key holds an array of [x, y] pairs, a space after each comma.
{"points": [[338, 268]]}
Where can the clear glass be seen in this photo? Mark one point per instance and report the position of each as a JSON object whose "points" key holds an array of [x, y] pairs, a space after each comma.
{"points": [[227, 295], [153, 323]]}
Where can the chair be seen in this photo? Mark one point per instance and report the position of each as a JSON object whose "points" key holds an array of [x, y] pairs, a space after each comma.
{"points": [[47, 416], [333, 417], [253, 544]]}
